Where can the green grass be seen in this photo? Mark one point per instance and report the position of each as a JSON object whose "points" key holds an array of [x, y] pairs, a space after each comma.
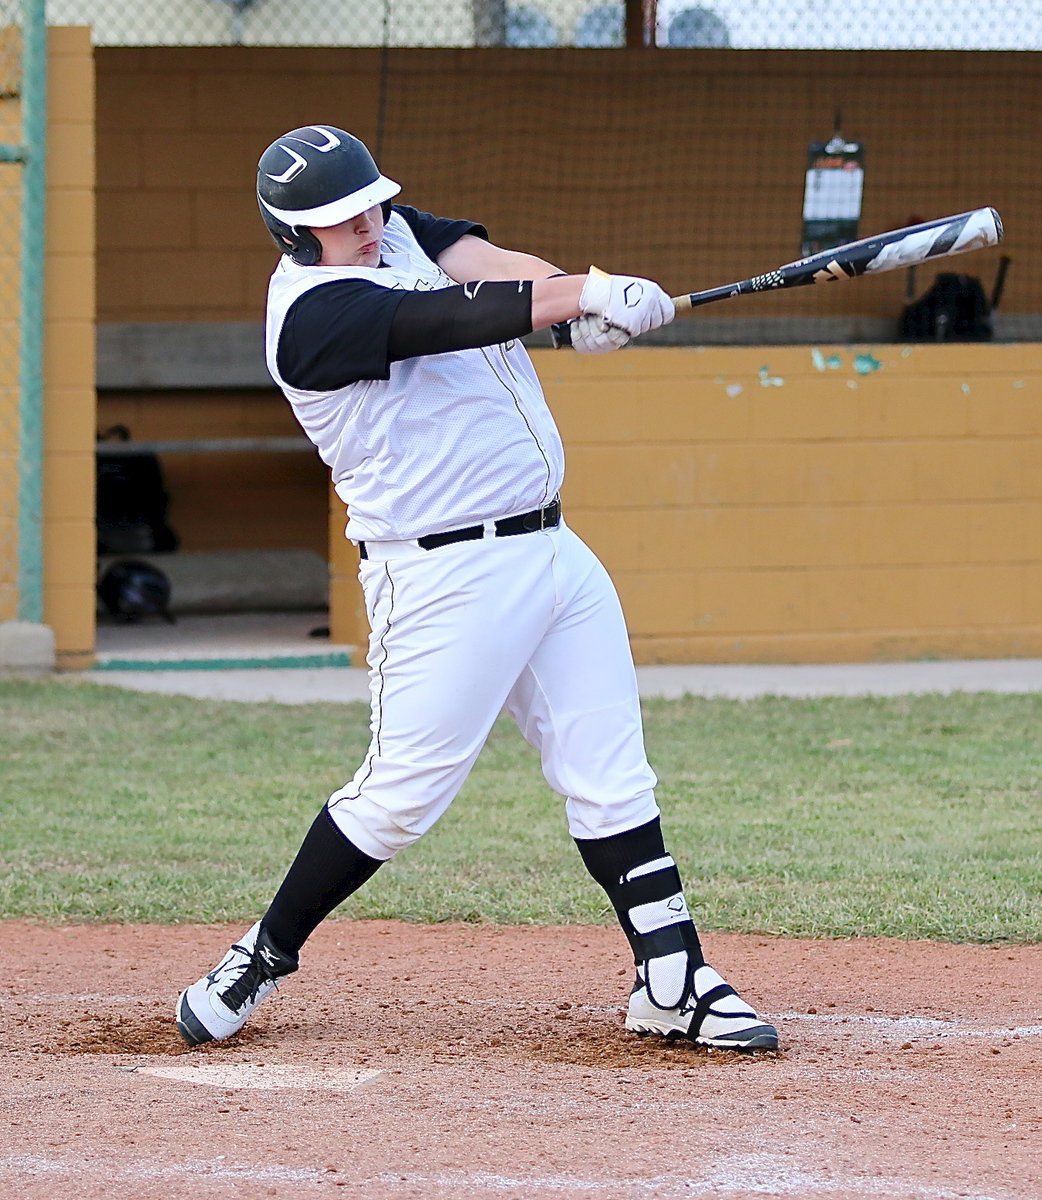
{"points": [[916, 817]]}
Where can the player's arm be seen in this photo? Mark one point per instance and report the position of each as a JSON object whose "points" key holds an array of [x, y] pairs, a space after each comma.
{"points": [[606, 310], [473, 257], [555, 294], [352, 329]]}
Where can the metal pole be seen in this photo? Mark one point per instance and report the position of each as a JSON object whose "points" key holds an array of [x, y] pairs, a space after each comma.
{"points": [[30, 411], [490, 19], [640, 23]]}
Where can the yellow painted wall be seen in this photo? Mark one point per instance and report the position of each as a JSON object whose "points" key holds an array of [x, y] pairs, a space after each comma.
{"points": [[69, 397], [68, 424], [835, 514], [800, 504]]}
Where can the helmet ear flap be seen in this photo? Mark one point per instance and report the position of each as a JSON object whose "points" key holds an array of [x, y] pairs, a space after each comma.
{"points": [[296, 241], [308, 249]]}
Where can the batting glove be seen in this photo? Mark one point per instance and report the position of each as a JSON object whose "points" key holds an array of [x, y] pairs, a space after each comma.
{"points": [[593, 335], [635, 305]]}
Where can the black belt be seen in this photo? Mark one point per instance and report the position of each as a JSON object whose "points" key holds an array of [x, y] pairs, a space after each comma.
{"points": [[530, 522]]}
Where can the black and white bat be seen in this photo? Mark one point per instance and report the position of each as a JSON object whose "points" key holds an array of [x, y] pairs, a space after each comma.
{"points": [[974, 230]]}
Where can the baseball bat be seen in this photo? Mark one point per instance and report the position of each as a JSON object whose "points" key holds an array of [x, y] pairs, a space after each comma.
{"points": [[905, 247]]}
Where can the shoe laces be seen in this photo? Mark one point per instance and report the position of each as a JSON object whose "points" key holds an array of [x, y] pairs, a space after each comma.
{"points": [[255, 975]]}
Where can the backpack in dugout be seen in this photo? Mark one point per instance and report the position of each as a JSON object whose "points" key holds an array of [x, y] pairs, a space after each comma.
{"points": [[132, 501], [954, 309]]}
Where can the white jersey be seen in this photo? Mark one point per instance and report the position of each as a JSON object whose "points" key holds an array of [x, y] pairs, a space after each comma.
{"points": [[447, 440]]}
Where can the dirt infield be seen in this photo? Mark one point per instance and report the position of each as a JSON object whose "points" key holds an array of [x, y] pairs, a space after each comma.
{"points": [[444, 1062]]}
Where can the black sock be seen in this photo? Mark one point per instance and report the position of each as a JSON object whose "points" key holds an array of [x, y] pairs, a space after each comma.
{"points": [[327, 869], [609, 859]]}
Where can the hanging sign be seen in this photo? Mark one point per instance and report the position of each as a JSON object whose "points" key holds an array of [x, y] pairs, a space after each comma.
{"points": [[832, 194]]}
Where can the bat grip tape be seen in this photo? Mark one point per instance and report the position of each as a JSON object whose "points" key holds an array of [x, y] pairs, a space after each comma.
{"points": [[561, 334]]}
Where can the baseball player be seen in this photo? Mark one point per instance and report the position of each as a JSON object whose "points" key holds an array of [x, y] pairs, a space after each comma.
{"points": [[395, 336]]}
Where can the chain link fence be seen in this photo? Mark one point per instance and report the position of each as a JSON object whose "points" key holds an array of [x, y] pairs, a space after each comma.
{"points": [[754, 128], [739, 24]]}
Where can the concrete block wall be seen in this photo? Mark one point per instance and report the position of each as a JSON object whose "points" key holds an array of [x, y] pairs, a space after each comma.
{"points": [[69, 397], [801, 504], [68, 425], [812, 504], [711, 193]]}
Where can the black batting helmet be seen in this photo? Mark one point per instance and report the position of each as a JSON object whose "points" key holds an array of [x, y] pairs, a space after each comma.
{"points": [[315, 177]]}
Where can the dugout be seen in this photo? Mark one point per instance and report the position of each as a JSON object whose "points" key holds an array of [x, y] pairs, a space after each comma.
{"points": [[790, 485]]}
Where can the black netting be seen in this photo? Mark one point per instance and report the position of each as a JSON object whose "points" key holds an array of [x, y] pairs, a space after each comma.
{"points": [[698, 144]]}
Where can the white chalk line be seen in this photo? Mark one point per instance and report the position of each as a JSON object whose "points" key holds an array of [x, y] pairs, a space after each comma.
{"points": [[766, 1174], [29, 1165], [737, 1175], [902, 1025], [75, 998]]}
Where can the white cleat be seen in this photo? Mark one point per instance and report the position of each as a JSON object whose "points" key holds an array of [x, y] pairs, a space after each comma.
{"points": [[217, 1005], [715, 1015]]}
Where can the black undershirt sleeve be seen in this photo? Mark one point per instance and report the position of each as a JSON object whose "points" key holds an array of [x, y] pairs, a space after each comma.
{"points": [[350, 329], [337, 333]]}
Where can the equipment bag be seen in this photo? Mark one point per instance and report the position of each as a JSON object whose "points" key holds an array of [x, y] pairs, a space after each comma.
{"points": [[955, 309], [132, 501]]}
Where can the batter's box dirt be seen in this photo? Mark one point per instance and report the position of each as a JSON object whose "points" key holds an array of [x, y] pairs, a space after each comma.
{"points": [[117, 1034], [498, 1068], [608, 1046], [600, 1048]]}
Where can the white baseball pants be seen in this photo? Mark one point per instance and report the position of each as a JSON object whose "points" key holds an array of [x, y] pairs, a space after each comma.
{"points": [[530, 622]]}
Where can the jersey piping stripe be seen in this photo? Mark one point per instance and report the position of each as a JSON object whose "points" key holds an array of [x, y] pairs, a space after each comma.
{"points": [[374, 745], [521, 412]]}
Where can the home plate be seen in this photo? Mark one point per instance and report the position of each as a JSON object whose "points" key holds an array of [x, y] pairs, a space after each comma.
{"points": [[266, 1075]]}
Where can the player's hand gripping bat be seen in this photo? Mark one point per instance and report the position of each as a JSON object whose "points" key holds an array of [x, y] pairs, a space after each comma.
{"points": [[906, 247]]}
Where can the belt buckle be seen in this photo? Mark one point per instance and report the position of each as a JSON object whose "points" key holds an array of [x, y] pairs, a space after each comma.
{"points": [[540, 518]]}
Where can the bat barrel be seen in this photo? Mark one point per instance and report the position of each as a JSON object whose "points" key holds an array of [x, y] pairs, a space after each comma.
{"points": [[974, 230]]}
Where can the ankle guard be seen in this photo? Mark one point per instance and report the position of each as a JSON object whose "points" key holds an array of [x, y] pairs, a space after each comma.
{"points": [[660, 930], [643, 885]]}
